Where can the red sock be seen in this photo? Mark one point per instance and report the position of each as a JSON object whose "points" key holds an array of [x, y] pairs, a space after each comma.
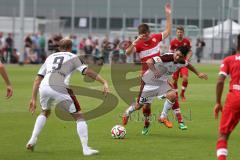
{"points": [[222, 149], [177, 111], [184, 87], [175, 85], [146, 113]]}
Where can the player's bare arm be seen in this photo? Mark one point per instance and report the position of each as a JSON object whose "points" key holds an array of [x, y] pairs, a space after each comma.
{"points": [[168, 12], [36, 84], [131, 48], [219, 90], [199, 74], [189, 55], [90, 73], [151, 66], [6, 80]]}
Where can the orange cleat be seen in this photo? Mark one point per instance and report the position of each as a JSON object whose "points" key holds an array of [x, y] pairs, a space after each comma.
{"points": [[166, 122], [125, 119]]}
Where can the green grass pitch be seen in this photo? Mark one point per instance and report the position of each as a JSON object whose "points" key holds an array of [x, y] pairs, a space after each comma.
{"points": [[59, 140]]}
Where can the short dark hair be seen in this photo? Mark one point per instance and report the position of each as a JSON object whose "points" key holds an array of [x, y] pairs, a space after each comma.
{"points": [[143, 29], [181, 28], [65, 44], [183, 49]]}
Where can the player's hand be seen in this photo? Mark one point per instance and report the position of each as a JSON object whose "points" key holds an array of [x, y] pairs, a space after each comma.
{"points": [[9, 92], [141, 36], [203, 76], [168, 9], [105, 89], [217, 108], [156, 73], [32, 106]]}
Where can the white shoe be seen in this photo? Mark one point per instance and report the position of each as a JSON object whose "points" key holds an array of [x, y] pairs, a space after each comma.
{"points": [[89, 151], [31, 143]]}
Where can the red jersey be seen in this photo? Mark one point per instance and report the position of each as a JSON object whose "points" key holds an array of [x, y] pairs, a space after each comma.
{"points": [[231, 66], [148, 49], [175, 43]]}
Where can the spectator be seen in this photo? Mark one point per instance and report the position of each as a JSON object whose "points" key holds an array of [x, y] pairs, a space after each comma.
{"points": [[97, 55], [9, 47], [199, 49], [82, 46], [88, 47], [15, 56], [129, 58], [74, 44], [42, 47], [1, 47], [105, 49]]}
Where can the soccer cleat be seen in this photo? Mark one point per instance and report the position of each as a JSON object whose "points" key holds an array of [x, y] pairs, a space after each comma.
{"points": [[89, 151], [30, 145], [182, 126], [125, 119], [145, 130], [166, 122]]}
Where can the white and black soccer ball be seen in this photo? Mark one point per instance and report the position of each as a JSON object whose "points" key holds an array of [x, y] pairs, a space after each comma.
{"points": [[118, 132]]}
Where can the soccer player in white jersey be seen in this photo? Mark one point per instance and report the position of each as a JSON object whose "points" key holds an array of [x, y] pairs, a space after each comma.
{"points": [[156, 79], [52, 82]]}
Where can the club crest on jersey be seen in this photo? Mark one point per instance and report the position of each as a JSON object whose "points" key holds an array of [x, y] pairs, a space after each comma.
{"points": [[154, 40]]}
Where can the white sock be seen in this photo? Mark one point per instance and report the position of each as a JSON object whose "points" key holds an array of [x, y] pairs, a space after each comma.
{"points": [[130, 109], [83, 133], [167, 105], [39, 124]]}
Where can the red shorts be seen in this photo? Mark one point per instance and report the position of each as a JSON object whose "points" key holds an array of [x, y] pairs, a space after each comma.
{"points": [[182, 72], [230, 114]]}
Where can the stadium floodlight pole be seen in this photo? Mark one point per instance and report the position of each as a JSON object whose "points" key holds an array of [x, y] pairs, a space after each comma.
{"points": [[185, 25], [73, 17], [230, 6], [238, 11], [200, 18], [222, 32], [108, 16], [140, 11], [21, 10], [34, 15], [90, 23], [156, 23], [213, 39], [123, 25], [14, 22]]}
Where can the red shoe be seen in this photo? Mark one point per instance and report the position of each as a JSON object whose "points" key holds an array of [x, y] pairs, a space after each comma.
{"points": [[166, 122], [125, 119]]}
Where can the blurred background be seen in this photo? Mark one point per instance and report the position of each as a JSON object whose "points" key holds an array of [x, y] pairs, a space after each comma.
{"points": [[30, 29]]}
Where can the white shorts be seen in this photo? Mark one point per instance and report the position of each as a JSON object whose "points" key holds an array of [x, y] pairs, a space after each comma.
{"points": [[148, 91], [59, 96]]}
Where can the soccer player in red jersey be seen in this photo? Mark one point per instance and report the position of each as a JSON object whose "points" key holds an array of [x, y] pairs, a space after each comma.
{"points": [[231, 110], [147, 46], [180, 40]]}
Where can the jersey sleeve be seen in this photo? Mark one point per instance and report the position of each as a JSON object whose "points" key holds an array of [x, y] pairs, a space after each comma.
{"points": [[224, 68], [137, 48], [189, 44], [79, 65], [159, 37], [42, 70]]}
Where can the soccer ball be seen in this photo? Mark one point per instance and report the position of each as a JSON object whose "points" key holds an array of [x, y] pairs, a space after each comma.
{"points": [[118, 132]]}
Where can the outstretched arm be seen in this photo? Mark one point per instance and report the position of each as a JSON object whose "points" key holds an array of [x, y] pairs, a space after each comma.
{"points": [[131, 48], [219, 90], [36, 84], [199, 74], [90, 73], [6, 80], [168, 29]]}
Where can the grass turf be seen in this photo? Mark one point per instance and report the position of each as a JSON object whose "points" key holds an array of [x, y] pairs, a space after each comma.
{"points": [[59, 140]]}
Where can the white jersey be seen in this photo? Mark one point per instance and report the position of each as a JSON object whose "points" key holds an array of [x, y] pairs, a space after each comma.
{"points": [[58, 68], [166, 65]]}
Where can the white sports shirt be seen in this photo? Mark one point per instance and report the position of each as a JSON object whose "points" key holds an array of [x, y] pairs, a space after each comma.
{"points": [[58, 68], [166, 65]]}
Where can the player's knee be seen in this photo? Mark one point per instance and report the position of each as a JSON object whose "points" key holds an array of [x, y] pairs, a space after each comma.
{"points": [[185, 78], [46, 113], [78, 116], [171, 96], [223, 136]]}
